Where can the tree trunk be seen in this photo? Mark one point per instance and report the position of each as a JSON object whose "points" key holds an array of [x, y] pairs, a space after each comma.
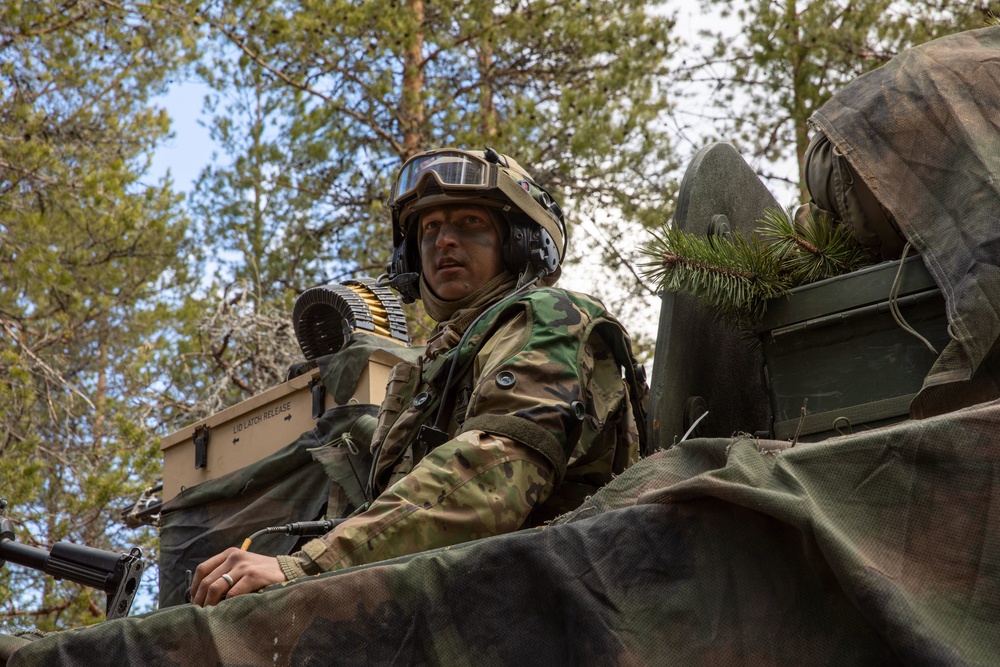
{"points": [[101, 397], [413, 85], [487, 105]]}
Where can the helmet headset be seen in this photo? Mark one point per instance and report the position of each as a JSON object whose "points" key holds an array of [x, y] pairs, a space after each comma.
{"points": [[534, 221]]}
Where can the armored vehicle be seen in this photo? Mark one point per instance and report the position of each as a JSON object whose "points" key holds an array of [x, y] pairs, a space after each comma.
{"points": [[823, 491]]}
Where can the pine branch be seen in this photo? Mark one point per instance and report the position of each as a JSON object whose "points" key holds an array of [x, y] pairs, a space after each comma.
{"points": [[810, 249], [733, 275], [736, 276]]}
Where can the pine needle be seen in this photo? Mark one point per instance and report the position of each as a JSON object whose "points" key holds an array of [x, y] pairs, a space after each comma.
{"points": [[811, 249], [737, 276], [733, 275]]}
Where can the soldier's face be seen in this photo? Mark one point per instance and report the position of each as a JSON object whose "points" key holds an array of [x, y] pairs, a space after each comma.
{"points": [[459, 250]]}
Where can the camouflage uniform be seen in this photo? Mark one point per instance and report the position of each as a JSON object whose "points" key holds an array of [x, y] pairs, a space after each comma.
{"points": [[539, 419]]}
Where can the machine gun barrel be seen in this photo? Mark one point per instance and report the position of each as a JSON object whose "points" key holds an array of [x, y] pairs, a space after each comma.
{"points": [[118, 575]]}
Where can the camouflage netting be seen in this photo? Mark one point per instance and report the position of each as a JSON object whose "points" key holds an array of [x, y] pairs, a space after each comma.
{"points": [[922, 132], [877, 548], [310, 478]]}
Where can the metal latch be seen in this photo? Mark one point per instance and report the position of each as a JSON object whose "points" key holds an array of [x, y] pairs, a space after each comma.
{"points": [[318, 390], [200, 437]]}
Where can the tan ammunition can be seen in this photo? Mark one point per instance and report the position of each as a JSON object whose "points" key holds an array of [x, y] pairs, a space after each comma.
{"points": [[259, 426]]}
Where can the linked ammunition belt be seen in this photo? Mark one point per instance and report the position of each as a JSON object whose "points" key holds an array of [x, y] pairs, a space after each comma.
{"points": [[325, 317]]}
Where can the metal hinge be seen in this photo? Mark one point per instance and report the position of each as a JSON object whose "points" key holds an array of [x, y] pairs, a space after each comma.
{"points": [[201, 437]]}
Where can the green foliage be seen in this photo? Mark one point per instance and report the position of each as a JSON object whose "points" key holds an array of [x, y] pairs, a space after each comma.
{"points": [[87, 252], [732, 274], [789, 56], [809, 250], [318, 102], [736, 276]]}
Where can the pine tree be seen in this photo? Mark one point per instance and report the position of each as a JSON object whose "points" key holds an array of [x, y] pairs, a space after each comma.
{"points": [[87, 249], [318, 104]]}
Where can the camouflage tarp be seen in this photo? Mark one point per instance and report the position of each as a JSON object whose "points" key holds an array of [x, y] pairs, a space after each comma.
{"points": [[209, 518], [287, 486], [922, 132], [877, 548], [10, 643]]}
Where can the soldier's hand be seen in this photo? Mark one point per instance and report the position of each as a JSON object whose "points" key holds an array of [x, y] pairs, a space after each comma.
{"points": [[233, 572]]}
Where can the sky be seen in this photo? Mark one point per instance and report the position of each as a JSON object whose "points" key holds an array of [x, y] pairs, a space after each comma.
{"points": [[190, 149]]}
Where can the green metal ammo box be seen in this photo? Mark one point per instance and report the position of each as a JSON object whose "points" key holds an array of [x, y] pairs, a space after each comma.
{"points": [[834, 353]]}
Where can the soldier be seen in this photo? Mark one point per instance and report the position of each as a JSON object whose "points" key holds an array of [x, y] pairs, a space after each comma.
{"points": [[517, 410]]}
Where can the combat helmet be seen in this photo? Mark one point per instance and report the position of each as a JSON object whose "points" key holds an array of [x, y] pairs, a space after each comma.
{"points": [[535, 235]]}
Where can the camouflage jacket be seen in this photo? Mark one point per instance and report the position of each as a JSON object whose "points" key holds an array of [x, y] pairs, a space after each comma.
{"points": [[537, 418]]}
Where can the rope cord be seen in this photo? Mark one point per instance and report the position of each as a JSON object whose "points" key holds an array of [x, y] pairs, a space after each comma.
{"points": [[897, 314]]}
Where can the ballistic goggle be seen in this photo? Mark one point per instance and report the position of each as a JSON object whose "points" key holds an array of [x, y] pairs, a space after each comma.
{"points": [[460, 172], [454, 170]]}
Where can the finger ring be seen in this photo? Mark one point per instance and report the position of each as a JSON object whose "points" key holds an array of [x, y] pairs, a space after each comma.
{"points": [[229, 580]]}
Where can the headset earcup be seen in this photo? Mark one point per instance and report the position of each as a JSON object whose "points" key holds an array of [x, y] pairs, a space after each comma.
{"points": [[544, 253], [516, 249], [405, 261], [529, 244]]}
